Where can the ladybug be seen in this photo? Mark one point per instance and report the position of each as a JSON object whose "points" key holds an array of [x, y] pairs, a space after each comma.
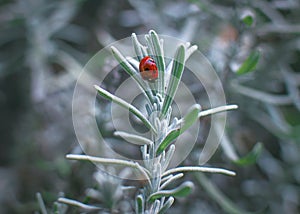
{"points": [[148, 69]]}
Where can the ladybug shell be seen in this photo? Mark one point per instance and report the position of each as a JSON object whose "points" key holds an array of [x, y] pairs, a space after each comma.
{"points": [[148, 69]]}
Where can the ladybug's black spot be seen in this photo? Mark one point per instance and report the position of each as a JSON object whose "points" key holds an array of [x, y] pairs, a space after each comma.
{"points": [[146, 69]]}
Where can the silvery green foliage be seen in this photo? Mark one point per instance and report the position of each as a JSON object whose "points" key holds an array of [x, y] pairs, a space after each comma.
{"points": [[108, 191], [155, 196]]}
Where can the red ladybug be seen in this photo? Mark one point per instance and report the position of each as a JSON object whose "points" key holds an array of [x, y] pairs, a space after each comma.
{"points": [[148, 69]]}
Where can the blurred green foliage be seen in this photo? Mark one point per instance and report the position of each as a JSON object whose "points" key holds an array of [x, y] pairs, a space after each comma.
{"points": [[44, 45]]}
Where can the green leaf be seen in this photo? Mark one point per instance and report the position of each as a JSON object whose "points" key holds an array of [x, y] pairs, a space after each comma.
{"points": [[191, 117], [181, 191], [248, 20], [252, 156], [166, 206], [132, 138], [171, 179], [125, 105], [140, 50], [188, 120], [176, 73], [167, 141], [139, 204], [250, 63], [159, 58], [130, 70], [123, 62]]}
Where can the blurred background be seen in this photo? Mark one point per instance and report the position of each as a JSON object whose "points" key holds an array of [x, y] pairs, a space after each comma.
{"points": [[44, 45]]}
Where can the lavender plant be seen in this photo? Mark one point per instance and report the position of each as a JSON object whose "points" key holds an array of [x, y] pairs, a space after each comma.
{"points": [[158, 192]]}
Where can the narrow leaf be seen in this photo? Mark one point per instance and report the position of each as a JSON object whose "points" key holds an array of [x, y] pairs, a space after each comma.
{"points": [[166, 206], [155, 207], [132, 72], [102, 160], [125, 105], [111, 161], [139, 203], [198, 169], [190, 51], [176, 73], [133, 62], [189, 119], [167, 140], [250, 63], [41, 203], [159, 58], [168, 157], [171, 179], [78, 204], [217, 110], [252, 156], [149, 45], [138, 47], [123, 62], [181, 191], [132, 138]]}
